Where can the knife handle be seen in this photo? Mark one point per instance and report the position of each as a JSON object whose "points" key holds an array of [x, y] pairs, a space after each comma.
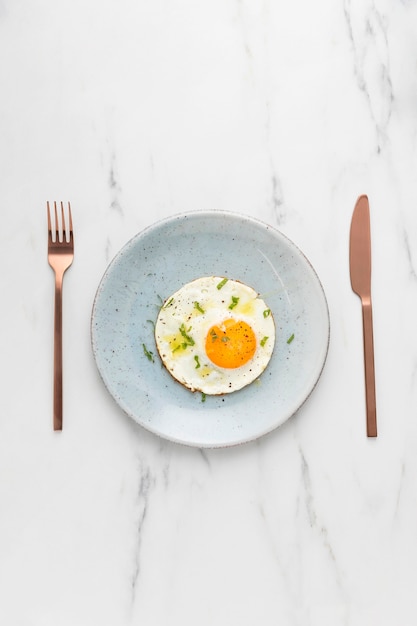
{"points": [[368, 347]]}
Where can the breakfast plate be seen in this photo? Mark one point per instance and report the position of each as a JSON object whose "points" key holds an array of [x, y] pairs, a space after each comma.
{"points": [[160, 260]]}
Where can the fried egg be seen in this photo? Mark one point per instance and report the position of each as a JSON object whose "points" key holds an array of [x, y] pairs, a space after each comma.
{"points": [[215, 335]]}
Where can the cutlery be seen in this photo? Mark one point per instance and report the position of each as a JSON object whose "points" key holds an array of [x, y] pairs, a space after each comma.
{"points": [[60, 257], [360, 278]]}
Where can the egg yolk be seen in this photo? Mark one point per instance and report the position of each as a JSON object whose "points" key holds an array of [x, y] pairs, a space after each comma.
{"points": [[230, 344]]}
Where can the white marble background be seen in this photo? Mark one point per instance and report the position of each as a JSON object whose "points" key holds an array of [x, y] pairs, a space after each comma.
{"points": [[136, 110]]}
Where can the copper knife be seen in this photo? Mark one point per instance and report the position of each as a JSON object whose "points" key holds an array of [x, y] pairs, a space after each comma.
{"points": [[360, 278]]}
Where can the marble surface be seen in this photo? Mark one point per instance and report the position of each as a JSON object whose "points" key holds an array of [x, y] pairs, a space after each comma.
{"points": [[138, 110]]}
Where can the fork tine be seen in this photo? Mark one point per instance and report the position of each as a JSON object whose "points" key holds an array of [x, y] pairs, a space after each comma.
{"points": [[56, 223], [70, 222], [49, 221], [64, 234]]}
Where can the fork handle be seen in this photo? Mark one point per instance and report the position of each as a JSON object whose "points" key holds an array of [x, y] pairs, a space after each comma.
{"points": [[58, 353], [368, 345]]}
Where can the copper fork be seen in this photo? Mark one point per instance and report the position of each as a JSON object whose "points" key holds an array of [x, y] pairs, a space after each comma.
{"points": [[60, 256]]}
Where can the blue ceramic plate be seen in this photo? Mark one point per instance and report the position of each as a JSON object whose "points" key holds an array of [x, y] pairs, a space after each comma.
{"points": [[158, 261]]}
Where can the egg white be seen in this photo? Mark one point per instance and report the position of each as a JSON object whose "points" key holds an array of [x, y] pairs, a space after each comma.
{"points": [[185, 319]]}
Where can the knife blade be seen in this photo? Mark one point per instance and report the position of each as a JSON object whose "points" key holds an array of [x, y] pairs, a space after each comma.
{"points": [[360, 278]]}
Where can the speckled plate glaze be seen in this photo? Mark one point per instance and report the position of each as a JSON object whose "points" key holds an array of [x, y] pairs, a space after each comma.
{"points": [[158, 261]]}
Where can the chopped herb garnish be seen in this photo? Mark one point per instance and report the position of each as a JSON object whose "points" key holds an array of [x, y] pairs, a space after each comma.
{"points": [[197, 360], [198, 307], [263, 341], [177, 348], [151, 322], [222, 283], [290, 339], [267, 312], [147, 353], [234, 302], [203, 397], [213, 335], [225, 338], [169, 303], [189, 340]]}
